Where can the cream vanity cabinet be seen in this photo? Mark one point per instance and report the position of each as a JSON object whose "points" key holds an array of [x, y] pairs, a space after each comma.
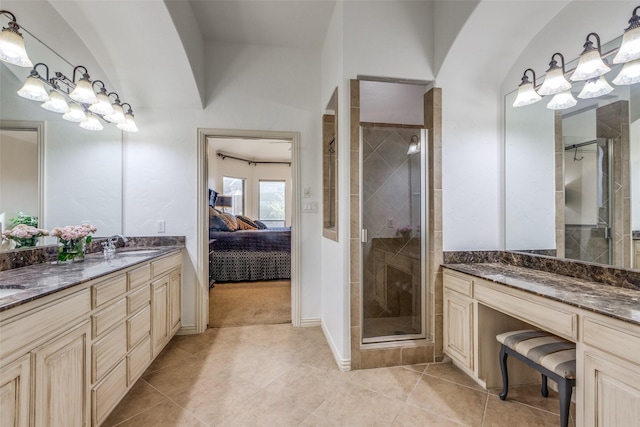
{"points": [[636, 253], [458, 318], [68, 359]]}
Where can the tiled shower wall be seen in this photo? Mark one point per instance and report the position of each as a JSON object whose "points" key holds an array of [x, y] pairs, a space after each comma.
{"points": [[401, 352]]}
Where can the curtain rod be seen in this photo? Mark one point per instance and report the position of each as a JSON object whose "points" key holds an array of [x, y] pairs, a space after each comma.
{"points": [[249, 161]]}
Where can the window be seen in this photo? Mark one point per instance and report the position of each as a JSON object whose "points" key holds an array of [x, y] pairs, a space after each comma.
{"points": [[272, 203], [234, 187]]}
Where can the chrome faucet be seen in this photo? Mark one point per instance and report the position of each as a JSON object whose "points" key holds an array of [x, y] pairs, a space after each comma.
{"points": [[109, 247]]}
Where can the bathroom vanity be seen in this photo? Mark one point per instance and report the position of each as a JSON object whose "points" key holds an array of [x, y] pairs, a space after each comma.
{"points": [[75, 338], [484, 299]]}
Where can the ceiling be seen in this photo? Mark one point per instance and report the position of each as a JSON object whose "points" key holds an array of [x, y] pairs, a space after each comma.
{"points": [[289, 23]]}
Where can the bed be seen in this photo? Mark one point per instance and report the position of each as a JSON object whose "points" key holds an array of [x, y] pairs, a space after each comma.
{"points": [[249, 255]]}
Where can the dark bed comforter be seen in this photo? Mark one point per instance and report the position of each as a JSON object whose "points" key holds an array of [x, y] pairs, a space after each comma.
{"points": [[271, 239]]}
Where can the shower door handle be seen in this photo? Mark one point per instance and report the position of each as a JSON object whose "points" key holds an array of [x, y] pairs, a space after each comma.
{"points": [[364, 237]]}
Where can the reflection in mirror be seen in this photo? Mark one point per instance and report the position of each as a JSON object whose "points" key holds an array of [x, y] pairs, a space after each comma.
{"points": [[569, 175], [330, 169], [80, 171]]}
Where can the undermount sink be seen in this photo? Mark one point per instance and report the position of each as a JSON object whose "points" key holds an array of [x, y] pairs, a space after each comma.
{"points": [[140, 252], [8, 291]]}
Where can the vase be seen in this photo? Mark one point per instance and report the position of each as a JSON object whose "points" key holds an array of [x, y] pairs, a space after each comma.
{"points": [[26, 242], [71, 250]]}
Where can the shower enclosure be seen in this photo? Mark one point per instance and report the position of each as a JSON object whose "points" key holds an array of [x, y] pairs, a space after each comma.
{"points": [[393, 206]]}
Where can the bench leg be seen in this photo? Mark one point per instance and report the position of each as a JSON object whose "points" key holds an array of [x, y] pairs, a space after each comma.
{"points": [[564, 393], [505, 375], [544, 390]]}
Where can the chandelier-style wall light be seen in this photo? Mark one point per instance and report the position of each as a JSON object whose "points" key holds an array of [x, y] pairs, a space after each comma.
{"points": [[591, 69], [84, 105]]}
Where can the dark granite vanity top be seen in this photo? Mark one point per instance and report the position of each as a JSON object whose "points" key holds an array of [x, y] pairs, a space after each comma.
{"points": [[635, 235], [617, 302], [39, 280]]}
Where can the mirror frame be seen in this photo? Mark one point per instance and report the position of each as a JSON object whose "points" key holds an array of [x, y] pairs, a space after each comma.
{"points": [[330, 169]]}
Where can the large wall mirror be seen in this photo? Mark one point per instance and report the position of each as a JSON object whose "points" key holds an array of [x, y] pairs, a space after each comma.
{"points": [[51, 168], [572, 176], [330, 169]]}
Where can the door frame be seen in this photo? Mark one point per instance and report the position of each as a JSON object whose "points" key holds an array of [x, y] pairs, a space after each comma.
{"points": [[202, 241]]}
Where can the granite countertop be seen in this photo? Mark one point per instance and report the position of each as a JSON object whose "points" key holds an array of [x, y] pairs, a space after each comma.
{"points": [[635, 234], [619, 303], [39, 280]]}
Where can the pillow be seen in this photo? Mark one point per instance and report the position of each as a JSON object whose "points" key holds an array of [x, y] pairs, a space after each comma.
{"points": [[261, 225], [213, 195], [246, 221], [222, 222], [244, 226]]}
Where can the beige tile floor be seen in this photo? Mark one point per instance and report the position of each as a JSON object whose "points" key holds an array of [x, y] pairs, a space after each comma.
{"points": [[277, 375]]}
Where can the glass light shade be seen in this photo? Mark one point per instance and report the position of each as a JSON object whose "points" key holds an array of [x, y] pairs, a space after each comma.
{"points": [[629, 74], [33, 89], [103, 106], [554, 82], [118, 116], [130, 125], [526, 95], [629, 48], [57, 103], [92, 123], [590, 66], [12, 50], [83, 92], [594, 88], [562, 100], [75, 114]]}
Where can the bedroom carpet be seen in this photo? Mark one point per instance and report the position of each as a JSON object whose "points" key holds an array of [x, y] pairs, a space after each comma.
{"points": [[250, 303]]}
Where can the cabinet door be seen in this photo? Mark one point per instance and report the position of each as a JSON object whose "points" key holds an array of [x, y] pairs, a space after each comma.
{"points": [[175, 303], [160, 313], [15, 393], [62, 379], [611, 390], [458, 327]]}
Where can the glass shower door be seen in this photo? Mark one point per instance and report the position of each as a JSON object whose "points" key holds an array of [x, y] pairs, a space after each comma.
{"points": [[393, 220]]}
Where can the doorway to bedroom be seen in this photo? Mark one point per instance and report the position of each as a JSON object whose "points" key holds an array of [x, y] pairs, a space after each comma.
{"points": [[250, 211]]}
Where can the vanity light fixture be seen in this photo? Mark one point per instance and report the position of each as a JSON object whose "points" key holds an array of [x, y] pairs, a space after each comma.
{"points": [[554, 80], [526, 91], [594, 88], [12, 49], [129, 124], [414, 145], [33, 88], [57, 102], [103, 106], [75, 114], [92, 123], [630, 46], [83, 92], [562, 101], [590, 64], [117, 116], [629, 74]]}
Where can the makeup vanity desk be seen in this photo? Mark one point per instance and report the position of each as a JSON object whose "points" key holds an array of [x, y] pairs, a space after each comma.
{"points": [[482, 300]]}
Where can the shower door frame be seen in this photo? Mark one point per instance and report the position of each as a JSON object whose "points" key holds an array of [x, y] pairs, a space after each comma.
{"points": [[424, 211]]}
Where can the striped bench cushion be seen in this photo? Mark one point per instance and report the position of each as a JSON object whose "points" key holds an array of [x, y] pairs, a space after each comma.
{"points": [[552, 352]]}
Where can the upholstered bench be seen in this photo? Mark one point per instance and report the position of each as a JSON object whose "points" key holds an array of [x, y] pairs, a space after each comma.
{"points": [[550, 355]]}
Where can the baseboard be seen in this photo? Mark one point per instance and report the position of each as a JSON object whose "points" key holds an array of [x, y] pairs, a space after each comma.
{"points": [[343, 364], [310, 322], [187, 330]]}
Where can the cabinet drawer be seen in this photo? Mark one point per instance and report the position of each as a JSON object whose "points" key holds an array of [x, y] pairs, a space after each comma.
{"points": [[138, 360], [525, 308], [165, 264], [25, 329], [136, 300], [139, 326], [106, 395], [613, 339], [458, 282], [106, 318], [108, 290], [107, 351], [138, 277]]}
